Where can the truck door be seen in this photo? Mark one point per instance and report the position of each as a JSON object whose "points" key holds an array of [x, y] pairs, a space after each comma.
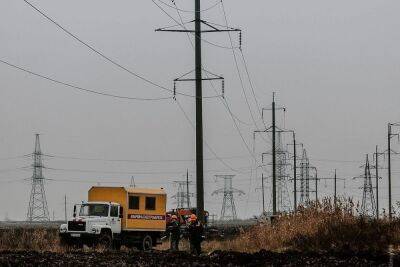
{"points": [[115, 219]]}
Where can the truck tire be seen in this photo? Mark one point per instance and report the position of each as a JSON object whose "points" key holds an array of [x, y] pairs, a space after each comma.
{"points": [[117, 244], [147, 243], [65, 242], [105, 240]]}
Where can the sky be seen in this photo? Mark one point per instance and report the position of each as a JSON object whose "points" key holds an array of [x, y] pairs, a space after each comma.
{"points": [[334, 66]]}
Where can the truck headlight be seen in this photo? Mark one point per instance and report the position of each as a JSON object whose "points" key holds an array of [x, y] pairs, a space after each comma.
{"points": [[63, 228]]}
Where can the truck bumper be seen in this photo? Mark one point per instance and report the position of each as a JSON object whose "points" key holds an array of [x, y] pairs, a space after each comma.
{"points": [[78, 238]]}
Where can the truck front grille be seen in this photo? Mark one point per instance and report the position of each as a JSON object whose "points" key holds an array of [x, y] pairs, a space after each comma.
{"points": [[76, 226]]}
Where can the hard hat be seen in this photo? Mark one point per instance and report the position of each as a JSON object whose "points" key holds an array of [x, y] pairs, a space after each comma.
{"points": [[193, 217], [174, 217]]}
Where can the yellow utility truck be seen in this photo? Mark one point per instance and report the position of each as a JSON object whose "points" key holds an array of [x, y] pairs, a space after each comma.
{"points": [[115, 216]]}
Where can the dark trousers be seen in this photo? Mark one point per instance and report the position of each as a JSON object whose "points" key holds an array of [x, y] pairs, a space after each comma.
{"points": [[174, 244], [195, 247]]}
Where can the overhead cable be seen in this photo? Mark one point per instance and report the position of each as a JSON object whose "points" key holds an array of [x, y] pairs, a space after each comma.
{"points": [[107, 58], [67, 84]]}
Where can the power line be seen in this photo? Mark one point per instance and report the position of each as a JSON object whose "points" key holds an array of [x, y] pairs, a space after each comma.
{"points": [[335, 160], [182, 25], [12, 169], [137, 161], [132, 172], [205, 142], [79, 87], [107, 58], [241, 79], [251, 85], [188, 11], [16, 157], [237, 68], [223, 100]]}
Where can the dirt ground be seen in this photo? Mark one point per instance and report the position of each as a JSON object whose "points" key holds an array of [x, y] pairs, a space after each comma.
{"points": [[217, 258]]}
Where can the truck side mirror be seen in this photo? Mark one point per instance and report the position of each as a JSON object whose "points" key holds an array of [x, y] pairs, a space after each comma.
{"points": [[121, 212], [74, 211]]}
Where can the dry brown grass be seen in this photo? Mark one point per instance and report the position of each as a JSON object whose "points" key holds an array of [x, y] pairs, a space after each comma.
{"points": [[318, 227], [39, 239]]}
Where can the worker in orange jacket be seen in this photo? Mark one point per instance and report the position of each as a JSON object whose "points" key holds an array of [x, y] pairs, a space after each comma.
{"points": [[174, 229], [195, 230]]}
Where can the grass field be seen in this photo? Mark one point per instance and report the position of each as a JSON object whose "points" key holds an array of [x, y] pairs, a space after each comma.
{"points": [[319, 234]]}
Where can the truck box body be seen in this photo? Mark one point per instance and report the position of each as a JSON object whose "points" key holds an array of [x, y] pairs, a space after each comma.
{"points": [[143, 209]]}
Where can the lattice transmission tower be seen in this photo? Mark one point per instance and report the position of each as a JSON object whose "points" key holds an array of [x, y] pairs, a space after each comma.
{"points": [[368, 202], [228, 211], [37, 209], [283, 198], [304, 179], [182, 196]]}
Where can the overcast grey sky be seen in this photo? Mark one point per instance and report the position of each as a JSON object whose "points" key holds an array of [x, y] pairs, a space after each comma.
{"points": [[333, 64]]}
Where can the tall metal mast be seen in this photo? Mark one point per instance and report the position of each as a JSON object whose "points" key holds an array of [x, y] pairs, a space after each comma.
{"points": [[37, 209]]}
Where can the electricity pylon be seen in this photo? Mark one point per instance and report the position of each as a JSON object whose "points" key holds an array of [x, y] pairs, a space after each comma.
{"points": [[368, 207], [132, 184], [304, 179], [37, 209], [182, 196], [368, 201], [228, 211]]}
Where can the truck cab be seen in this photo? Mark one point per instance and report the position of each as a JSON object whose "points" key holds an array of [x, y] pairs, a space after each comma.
{"points": [[93, 222]]}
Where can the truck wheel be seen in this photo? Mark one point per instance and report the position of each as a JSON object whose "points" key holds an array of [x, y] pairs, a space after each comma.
{"points": [[105, 240], [117, 244], [65, 242], [147, 243]]}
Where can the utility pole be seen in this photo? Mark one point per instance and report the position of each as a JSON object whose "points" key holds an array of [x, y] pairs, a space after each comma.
{"points": [[199, 115], [263, 192], [376, 181], [335, 183], [390, 135], [65, 208], [273, 130], [187, 188], [294, 174], [376, 155], [295, 144], [199, 94], [389, 171], [273, 157], [316, 182]]}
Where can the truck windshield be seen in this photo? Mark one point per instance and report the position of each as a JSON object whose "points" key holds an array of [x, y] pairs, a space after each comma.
{"points": [[94, 210]]}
